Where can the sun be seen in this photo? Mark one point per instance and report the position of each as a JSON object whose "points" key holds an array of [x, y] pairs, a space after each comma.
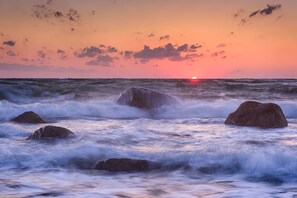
{"points": [[194, 78]]}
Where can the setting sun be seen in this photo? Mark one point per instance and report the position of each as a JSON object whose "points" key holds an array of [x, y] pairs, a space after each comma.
{"points": [[194, 78]]}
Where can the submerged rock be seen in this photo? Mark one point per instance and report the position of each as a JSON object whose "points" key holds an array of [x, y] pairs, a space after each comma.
{"points": [[28, 117], [51, 132], [126, 165], [264, 115], [145, 98]]}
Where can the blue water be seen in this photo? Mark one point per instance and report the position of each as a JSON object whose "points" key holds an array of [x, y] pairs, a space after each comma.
{"points": [[202, 156]]}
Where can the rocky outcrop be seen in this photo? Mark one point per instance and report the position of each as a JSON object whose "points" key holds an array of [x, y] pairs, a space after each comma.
{"points": [[126, 165], [256, 114], [28, 117], [51, 132], [145, 98]]}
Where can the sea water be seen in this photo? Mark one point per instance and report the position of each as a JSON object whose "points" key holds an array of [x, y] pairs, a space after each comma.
{"points": [[201, 157]]}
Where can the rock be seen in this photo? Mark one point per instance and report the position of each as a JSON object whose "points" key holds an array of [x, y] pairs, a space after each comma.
{"points": [[28, 117], [51, 132], [145, 98], [126, 165], [263, 115]]}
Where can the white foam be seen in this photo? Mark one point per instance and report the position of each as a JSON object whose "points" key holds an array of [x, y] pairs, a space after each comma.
{"points": [[110, 109]]}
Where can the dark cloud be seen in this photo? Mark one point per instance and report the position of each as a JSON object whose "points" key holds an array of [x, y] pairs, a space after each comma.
{"points": [[157, 53], [42, 11], [216, 54], [73, 15], [151, 35], [48, 12], [101, 60], [266, 11], [25, 41], [221, 45], [188, 48], [49, 2], [243, 22], [9, 43], [144, 61], [41, 54], [183, 48], [91, 51], [127, 54], [61, 53], [58, 14], [194, 47], [1, 48], [238, 13], [165, 37], [164, 52], [254, 13], [11, 53], [25, 59], [190, 57], [111, 49], [269, 9]]}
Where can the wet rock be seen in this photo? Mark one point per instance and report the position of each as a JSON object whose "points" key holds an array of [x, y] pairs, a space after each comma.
{"points": [[256, 114], [126, 165], [51, 132], [28, 117], [145, 98], [219, 168]]}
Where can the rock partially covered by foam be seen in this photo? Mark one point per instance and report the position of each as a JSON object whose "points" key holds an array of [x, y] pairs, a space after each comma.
{"points": [[145, 98], [263, 115], [126, 165], [51, 132], [28, 117]]}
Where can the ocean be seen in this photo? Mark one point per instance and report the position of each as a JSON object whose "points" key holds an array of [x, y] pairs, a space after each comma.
{"points": [[201, 156]]}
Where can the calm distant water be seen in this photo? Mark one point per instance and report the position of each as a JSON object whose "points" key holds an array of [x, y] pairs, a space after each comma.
{"points": [[203, 157]]}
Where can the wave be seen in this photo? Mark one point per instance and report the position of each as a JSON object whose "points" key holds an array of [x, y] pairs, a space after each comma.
{"points": [[37, 90], [267, 164], [110, 109]]}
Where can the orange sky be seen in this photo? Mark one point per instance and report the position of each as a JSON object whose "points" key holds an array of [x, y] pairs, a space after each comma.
{"points": [[106, 38]]}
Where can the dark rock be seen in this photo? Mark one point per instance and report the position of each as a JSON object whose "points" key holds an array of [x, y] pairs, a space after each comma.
{"points": [[126, 165], [145, 98], [263, 115], [28, 117], [51, 132], [218, 168]]}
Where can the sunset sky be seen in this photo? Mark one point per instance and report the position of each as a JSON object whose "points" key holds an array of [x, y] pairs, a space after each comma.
{"points": [[148, 38]]}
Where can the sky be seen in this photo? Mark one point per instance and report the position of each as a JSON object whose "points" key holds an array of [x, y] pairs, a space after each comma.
{"points": [[148, 39]]}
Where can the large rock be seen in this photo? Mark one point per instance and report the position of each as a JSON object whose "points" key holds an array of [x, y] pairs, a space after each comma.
{"points": [[264, 115], [126, 165], [51, 132], [145, 98], [28, 117]]}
